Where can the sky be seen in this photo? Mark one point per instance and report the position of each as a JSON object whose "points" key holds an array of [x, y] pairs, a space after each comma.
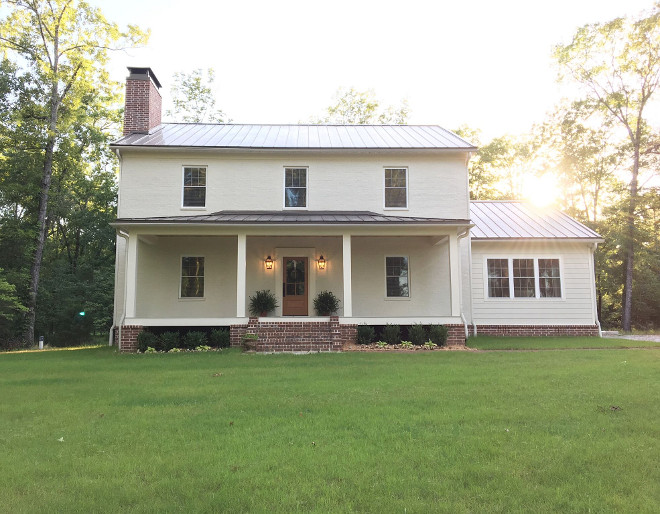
{"points": [[481, 63]]}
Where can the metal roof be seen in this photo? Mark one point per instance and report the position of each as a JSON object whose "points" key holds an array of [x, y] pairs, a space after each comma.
{"points": [[292, 217], [214, 135], [496, 220]]}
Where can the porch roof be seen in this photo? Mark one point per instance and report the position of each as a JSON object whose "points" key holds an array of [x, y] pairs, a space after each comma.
{"points": [[290, 218]]}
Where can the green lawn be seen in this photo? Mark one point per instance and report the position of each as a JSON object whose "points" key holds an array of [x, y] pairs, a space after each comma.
{"points": [[554, 343], [374, 432]]}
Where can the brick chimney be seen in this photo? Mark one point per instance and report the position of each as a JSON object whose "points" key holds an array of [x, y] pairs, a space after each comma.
{"points": [[143, 102]]}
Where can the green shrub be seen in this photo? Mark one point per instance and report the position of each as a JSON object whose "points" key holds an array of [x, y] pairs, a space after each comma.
{"points": [[174, 350], [262, 302], [203, 348], [417, 334], [430, 345], [381, 344], [145, 340], [392, 334], [438, 334], [219, 338], [193, 339], [365, 334], [326, 303], [168, 340], [407, 344]]}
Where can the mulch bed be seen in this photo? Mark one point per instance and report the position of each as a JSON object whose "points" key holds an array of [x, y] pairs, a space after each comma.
{"points": [[398, 348]]}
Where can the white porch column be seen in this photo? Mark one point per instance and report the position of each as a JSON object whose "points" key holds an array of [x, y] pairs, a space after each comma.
{"points": [[130, 274], [454, 275], [348, 287], [241, 272]]}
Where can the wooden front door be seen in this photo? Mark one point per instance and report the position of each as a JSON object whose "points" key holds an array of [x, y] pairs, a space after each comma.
{"points": [[294, 288]]}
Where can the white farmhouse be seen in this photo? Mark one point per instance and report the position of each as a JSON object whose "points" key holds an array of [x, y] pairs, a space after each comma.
{"points": [[380, 216]]}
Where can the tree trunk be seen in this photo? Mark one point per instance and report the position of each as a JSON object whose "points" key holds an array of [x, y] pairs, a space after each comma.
{"points": [[35, 270], [630, 246]]}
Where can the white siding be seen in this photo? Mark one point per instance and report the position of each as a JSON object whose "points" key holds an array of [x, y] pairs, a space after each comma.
{"points": [[151, 182], [428, 274], [575, 308]]}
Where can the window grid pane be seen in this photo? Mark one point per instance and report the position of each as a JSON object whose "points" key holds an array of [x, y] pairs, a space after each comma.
{"points": [[295, 187], [192, 277], [194, 187], [549, 279], [395, 187], [396, 271], [498, 278], [523, 278]]}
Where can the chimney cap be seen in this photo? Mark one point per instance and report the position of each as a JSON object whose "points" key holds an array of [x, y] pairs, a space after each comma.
{"points": [[143, 72]]}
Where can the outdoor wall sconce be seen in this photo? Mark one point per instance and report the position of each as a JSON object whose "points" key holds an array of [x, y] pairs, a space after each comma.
{"points": [[321, 263], [269, 262]]}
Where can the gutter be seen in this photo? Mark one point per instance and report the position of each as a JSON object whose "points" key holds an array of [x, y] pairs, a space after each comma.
{"points": [[592, 267]]}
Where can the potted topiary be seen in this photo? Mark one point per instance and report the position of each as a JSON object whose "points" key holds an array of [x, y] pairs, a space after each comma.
{"points": [[262, 303], [326, 303]]}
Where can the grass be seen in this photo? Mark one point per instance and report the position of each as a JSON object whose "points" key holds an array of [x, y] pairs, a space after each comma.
{"points": [[554, 343], [368, 432]]}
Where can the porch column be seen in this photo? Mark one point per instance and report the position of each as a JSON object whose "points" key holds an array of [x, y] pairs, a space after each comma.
{"points": [[130, 274], [241, 276], [454, 275], [348, 291]]}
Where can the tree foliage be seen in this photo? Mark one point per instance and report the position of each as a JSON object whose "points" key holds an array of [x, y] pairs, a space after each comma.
{"points": [[352, 107], [61, 111], [617, 66], [193, 99]]}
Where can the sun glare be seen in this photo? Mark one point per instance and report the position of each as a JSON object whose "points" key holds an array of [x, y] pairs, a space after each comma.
{"points": [[540, 191]]}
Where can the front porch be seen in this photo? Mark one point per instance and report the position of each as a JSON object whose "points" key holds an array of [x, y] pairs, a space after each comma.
{"points": [[235, 264]]}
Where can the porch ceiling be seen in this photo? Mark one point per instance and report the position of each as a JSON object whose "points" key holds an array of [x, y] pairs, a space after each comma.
{"points": [[291, 218]]}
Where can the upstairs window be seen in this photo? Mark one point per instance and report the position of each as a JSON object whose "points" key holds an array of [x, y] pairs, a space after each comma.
{"points": [[524, 278], [396, 188], [396, 277], [194, 186], [295, 188], [192, 277]]}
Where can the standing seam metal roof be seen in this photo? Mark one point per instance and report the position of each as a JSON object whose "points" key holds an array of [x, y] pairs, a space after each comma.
{"points": [[214, 135], [518, 220]]}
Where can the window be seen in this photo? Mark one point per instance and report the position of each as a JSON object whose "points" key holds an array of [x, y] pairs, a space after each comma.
{"points": [[498, 278], [396, 277], [549, 280], [192, 277], [194, 187], [295, 188], [523, 278], [396, 188]]}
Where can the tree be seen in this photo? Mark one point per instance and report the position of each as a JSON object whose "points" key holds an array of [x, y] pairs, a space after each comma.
{"points": [[193, 99], [496, 170], [354, 107], [65, 44], [617, 64]]}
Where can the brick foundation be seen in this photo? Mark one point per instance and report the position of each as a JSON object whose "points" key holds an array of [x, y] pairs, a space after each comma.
{"points": [[456, 336], [537, 330], [129, 334], [295, 336]]}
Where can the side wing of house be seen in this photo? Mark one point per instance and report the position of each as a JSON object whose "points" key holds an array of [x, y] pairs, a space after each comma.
{"points": [[532, 272]]}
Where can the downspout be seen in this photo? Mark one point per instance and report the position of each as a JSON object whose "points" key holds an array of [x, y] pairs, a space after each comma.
{"points": [[123, 235], [594, 296], [460, 282]]}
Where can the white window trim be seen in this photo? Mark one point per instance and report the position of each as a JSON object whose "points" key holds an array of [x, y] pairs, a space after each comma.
{"points": [[396, 298], [537, 292], [407, 207], [191, 298], [183, 185], [306, 208]]}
